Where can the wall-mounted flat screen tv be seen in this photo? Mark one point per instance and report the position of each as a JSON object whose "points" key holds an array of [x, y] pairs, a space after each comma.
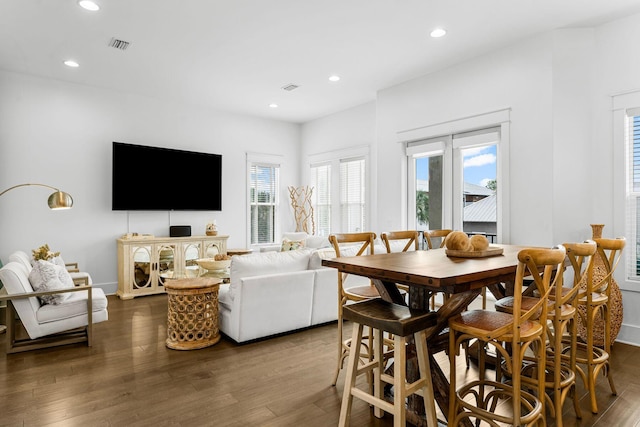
{"points": [[153, 178]]}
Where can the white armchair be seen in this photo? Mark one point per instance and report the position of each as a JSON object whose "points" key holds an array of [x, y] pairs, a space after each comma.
{"points": [[47, 325], [79, 277]]}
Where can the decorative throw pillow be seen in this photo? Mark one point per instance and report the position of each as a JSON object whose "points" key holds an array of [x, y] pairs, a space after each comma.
{"points": [[291, 245], [58, 261], [47, 276]]}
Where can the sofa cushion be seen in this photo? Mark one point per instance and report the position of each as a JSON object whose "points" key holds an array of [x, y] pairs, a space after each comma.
{"points": [[318, 242], [265, 263], [47, 276], [315, 260], [310, 241], [295, 235]]}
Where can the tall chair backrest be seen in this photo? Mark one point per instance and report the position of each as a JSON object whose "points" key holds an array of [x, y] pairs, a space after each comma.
{"points": [[543, 269], [431, 236], [580, 256], [410, 238], [363, 242], [608, 253]]}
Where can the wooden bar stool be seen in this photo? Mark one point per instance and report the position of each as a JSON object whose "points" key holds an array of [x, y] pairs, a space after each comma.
{"points": [[593, 308], [404, 323], [360, 244]]}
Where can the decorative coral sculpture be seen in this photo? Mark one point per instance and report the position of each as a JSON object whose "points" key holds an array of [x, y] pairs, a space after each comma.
{"points": [[44, 253]]}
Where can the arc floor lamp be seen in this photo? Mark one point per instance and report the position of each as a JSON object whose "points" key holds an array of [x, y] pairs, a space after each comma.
{"points": [[57, 200]]}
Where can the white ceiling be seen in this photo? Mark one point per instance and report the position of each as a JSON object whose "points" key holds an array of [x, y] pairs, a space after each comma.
{"points": [[236, 55]]}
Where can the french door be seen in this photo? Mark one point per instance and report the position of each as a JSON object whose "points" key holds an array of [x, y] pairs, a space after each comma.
{"points": [[453, 182]]}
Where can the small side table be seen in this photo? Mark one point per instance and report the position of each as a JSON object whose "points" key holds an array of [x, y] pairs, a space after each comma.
{"points": [[192, 318]]}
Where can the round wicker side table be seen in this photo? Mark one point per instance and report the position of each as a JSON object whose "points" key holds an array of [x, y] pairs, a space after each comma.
{"points": [[192, 318]]}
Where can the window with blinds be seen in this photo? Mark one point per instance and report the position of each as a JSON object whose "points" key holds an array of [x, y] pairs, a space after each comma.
{"points": [[352, 195], [321, 177], [340, 191], [633, 188], [263, 200]]}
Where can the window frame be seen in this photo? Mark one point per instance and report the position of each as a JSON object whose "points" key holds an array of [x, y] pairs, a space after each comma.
{"points": [[265, 160], [623, 105]]}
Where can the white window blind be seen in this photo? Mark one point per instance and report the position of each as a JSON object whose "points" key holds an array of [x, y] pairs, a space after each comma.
{"points": [[263, 200], [321, 179], [632, 142], [352, 195]]}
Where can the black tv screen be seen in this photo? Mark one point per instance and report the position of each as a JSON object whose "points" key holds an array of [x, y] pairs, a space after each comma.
{"points": [[153, 178]]}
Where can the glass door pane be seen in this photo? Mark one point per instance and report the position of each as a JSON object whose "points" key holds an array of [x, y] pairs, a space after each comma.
{"points": [[429, 192], [479, 211]]}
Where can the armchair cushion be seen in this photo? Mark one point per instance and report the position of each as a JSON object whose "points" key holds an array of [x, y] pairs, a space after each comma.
{"points": [[74, 305], [47, 276]]}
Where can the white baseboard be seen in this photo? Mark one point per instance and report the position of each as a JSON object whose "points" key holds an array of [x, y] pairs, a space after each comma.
{"points": [[629, 334], [108, 288]]}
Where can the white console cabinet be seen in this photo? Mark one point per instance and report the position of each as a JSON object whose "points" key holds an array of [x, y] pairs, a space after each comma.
{"points": [[144, 263]]}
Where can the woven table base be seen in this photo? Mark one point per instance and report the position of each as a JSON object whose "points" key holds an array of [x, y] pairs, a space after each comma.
{"points": [[192, 319]]}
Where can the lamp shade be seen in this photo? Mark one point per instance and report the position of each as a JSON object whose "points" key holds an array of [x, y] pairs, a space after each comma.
{"points": [[60, 200], [57, 200]]}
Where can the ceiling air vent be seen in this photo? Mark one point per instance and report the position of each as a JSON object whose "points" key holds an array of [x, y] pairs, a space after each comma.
{"points": [[290, 87], [118, 44]]}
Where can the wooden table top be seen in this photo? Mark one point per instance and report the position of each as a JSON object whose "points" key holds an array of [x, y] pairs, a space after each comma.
{"points": [[239, 251], [193, 283], [433, 268]]}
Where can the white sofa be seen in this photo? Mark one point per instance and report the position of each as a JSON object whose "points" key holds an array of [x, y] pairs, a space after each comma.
{"points": [[275, 292]]}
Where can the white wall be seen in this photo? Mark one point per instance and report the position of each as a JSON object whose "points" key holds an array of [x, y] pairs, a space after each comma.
{"points": [[350, 128], [558, 88], [60, 134]]}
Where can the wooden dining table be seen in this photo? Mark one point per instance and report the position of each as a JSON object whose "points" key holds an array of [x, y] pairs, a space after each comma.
{"points": [[431, 271]]}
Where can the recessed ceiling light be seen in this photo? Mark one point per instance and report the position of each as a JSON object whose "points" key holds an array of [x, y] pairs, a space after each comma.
{"points": [[273, 105], [438, 32], [71, 63], [89, 5], [334, 78]]}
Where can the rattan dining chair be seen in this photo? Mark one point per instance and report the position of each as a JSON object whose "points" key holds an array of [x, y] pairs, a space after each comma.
{"points": [[511, 335], [435, 238], [593, 308], [352, 244], [560, 380]]}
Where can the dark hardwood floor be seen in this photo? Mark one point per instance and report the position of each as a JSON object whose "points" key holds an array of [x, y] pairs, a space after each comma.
{"points": [[130, 378]]}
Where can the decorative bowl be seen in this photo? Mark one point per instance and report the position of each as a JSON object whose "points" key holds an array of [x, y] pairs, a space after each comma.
{"points": [[213, 265]]}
